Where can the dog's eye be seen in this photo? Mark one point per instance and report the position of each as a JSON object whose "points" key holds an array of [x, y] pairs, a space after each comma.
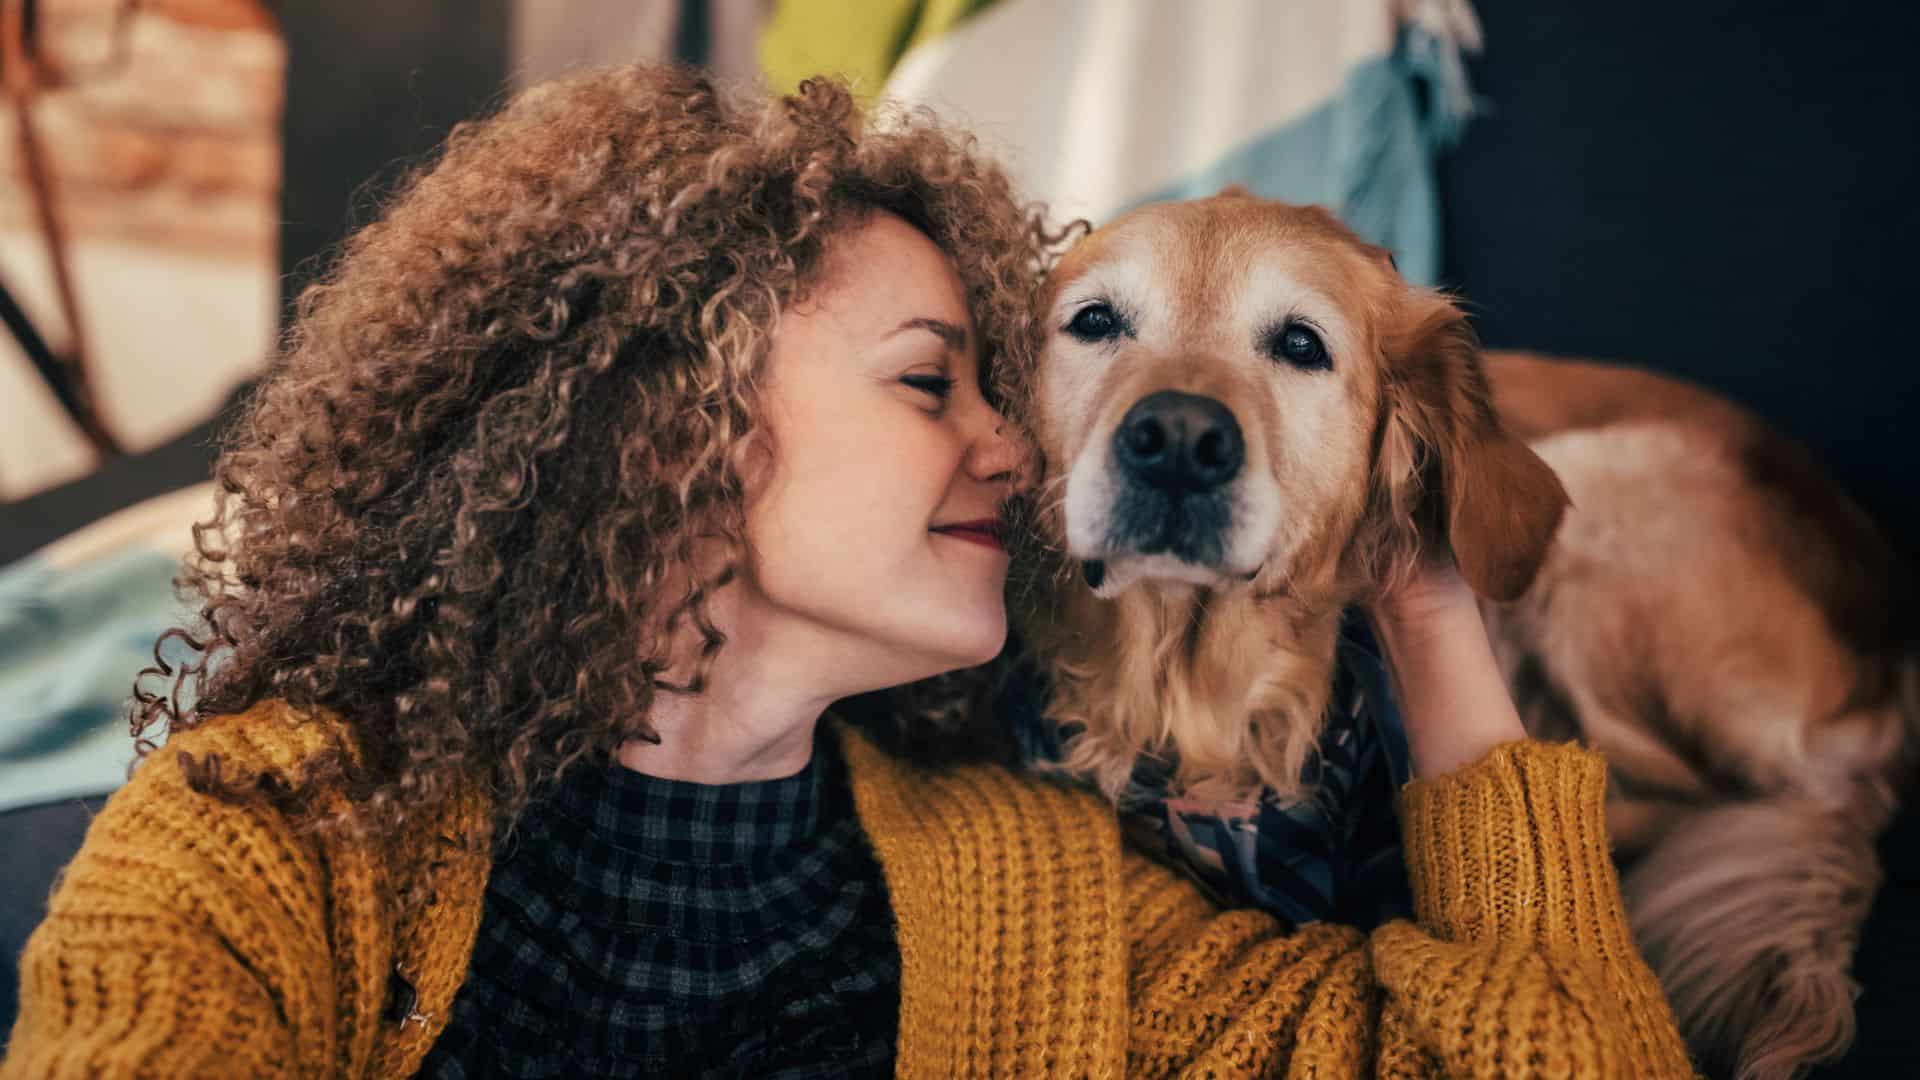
{"points": [[1297, 344], [1096, 322]]}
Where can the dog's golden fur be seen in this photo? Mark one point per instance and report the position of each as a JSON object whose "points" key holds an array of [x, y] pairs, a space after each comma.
{"points": [[1715, 617], [1407, 454], [1736, 636]]}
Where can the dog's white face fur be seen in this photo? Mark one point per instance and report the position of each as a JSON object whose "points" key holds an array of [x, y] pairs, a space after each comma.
{"points": [[1248, 422], [1202, 305]]}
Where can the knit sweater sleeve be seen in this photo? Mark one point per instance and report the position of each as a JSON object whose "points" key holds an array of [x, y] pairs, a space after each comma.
{"points": [[188, 937], [1520, 964], [1522, 960]]}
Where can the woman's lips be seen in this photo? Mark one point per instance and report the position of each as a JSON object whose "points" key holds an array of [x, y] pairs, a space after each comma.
{"points": [[986, 533]]}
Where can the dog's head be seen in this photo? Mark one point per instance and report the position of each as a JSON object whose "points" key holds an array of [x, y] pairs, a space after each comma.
{"points": [[1235, 392]]}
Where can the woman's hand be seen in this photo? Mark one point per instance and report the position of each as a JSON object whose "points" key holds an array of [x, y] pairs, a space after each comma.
{"points": [[1453, 700]]}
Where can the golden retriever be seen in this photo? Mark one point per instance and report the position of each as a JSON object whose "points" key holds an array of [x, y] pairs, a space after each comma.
{"points": [[1249, 423]]}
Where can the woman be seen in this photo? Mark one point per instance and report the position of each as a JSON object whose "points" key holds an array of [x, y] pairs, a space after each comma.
{"points": [[644, 427]]}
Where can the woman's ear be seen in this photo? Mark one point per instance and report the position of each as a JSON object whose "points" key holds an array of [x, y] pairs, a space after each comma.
{"points": [[751, 458], [1451, 474]]}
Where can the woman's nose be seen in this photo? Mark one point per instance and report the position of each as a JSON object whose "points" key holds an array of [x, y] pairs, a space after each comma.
{"points": [[1000, 453]]}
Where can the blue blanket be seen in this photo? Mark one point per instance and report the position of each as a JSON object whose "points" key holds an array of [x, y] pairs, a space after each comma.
{"points": [[78, 620]]}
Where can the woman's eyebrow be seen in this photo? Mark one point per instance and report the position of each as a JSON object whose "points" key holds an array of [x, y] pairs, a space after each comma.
{"points": [[955, 337]]}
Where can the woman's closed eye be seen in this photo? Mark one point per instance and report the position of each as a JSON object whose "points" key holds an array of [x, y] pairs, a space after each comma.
{"points": [[939, 387]]}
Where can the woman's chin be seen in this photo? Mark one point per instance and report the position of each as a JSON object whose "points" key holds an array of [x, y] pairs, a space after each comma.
{"points": [[986, 644], [962, 643]]}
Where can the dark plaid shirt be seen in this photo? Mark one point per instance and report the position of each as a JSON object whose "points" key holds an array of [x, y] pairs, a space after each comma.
{"points": [[648, 927]]}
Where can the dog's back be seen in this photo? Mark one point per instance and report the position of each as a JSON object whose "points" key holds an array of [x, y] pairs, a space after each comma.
{"points": [[1735, 634]]}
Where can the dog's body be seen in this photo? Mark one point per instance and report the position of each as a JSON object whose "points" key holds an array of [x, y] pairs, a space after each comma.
{"points": [[1728, 629], [1251, 423], [1715, 615]]}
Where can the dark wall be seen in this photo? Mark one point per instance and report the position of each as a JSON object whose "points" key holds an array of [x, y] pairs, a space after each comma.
{"points": [[372, 87], [1725, 190]]}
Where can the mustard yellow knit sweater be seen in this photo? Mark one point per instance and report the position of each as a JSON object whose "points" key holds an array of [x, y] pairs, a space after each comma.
{"points": [[192, 938]]}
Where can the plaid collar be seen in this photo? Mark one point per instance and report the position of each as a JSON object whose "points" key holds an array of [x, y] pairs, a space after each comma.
{"points": [[715, 863], [684, 822], [649, 927]]}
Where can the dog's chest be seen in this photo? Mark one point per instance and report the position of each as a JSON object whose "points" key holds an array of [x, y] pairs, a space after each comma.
{"points": [[1333, 855]]}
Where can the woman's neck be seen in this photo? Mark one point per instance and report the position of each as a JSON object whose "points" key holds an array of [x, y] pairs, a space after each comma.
{"points": [[755, 719], [735, 732]]}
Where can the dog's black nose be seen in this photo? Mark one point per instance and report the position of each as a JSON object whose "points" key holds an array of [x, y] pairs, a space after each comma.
{"points": [[1179, 442]]}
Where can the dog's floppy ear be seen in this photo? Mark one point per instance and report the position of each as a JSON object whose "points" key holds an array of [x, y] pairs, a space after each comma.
{"points": [[1449, 471]]}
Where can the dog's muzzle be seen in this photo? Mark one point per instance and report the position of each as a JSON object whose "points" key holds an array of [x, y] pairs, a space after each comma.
{"points": [[1176, 456]]}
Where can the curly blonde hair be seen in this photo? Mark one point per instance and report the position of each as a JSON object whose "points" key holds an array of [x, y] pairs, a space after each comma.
{"points": [[461, 511]]}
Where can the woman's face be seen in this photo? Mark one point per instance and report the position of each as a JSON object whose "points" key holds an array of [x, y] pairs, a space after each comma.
{"points": [[873, 529]]}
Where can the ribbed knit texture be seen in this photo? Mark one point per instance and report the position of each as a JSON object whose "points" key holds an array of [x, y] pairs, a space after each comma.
{"points": [[193, 938]]}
